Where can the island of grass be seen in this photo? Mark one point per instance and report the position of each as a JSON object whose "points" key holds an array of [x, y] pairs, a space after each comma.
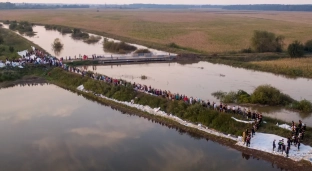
{"points": [[22, 27], [264, 95], [79, 35], [118, 47], [61, 29]]}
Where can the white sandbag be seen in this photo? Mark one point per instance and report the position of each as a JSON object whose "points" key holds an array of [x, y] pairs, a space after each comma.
{"points": [[22, 53]]}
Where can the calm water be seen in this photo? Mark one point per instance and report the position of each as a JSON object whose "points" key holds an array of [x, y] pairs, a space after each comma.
{"points": [[203, 78], [44, 38], [48, 128]]}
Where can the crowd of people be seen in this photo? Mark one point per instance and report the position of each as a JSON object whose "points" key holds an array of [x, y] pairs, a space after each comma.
{"points": [[35, 56], [295, 139]]}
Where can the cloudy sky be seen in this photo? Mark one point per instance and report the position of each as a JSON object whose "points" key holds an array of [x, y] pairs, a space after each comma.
{"points": [[168, 1]]}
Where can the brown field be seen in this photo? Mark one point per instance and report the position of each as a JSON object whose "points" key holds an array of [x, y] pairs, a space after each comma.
{"points": [[204, 30], [288, 66]]}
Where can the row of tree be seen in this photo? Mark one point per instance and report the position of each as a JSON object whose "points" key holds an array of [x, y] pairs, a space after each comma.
{"points": [[264, 41], [270, 7], [8, 5]]}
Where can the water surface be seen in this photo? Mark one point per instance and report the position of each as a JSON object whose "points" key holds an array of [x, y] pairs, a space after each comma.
{"points": [[48, 128], [44, 38]]}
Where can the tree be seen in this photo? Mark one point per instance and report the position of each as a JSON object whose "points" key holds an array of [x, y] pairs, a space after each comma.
{"points": [[308, 46], [57, 45], [295, 49], [264, 41]]}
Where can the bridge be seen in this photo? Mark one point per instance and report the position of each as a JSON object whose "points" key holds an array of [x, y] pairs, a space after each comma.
{"points": [[125, 59]]}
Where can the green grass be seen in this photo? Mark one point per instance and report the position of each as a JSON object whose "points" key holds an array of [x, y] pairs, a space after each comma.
{"points": [[12, 39]]}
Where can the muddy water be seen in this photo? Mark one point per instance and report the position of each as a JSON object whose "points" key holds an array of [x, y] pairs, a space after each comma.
{"points": [[203, 78], [44, 38], [48, 128]]}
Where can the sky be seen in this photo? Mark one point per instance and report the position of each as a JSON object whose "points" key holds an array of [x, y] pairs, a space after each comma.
{"points": [[222, 2]]}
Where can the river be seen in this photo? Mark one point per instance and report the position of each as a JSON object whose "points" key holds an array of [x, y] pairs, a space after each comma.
{"points": [[54, 129], [203, 78]]}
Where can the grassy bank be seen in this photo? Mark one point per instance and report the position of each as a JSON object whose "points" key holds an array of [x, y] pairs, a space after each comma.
{"points": [[12, 43], [12, 74]]}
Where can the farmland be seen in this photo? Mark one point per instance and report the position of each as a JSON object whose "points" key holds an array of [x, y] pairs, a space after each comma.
{"points": [[206, 31]]}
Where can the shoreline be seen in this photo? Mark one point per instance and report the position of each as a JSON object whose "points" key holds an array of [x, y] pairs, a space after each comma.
{"points": [[280, 161]]}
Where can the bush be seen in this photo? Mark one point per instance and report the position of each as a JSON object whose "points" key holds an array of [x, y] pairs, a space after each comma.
{"points": [[13, 26], [303, 105], [308, 46], [243, 97], [57, 45], [248, 50], [263, 41], [118, 47], [142, 51], [78, 34], [295, 49], [174, 45], [268, 95]]}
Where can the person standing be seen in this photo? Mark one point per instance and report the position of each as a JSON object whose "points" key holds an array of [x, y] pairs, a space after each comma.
{"points": [[283, 148], [248, 141], [298, 145], [287, 151], [274, 145], [279, 146], [253, 131]]}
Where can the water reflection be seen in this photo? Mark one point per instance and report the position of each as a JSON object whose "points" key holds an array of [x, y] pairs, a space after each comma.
{"points": [[89, 136]]}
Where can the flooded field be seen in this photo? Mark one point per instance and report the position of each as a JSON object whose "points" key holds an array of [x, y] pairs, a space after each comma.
{"points": [[54, 129], [44, 38]]}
